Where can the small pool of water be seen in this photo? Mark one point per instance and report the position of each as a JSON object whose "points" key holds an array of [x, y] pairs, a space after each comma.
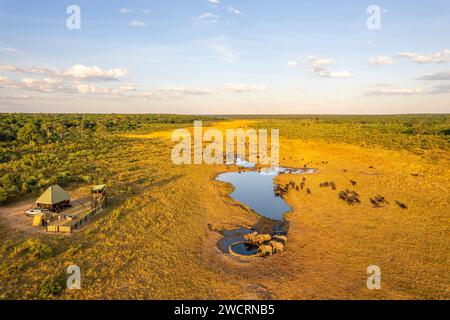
{"points": [[244, 248], [230, 237], [256, 190]]}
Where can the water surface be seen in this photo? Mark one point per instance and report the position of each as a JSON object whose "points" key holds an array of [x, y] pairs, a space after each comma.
{"points": [[245, 249], [256, 190]]}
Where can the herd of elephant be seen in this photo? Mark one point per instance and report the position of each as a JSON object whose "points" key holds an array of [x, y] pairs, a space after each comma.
{"points": [[268, 245]]}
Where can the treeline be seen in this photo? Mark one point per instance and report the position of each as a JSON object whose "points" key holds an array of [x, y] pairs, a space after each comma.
{"points": [[415, 133], [38, 150], [43, 128], [425, 124]]}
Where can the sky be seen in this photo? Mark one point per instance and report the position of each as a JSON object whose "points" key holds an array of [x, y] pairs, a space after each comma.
{"points": [[225, 56]]}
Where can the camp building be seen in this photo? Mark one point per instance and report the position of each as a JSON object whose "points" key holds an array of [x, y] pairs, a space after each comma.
{"points": [[54, 198]]}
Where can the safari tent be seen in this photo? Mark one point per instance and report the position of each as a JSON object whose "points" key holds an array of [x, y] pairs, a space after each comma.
{"points": [[54, 198]]}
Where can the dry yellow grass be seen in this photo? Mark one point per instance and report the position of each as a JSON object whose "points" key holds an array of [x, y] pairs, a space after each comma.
{"points": [[157, 240], [334, 243]]}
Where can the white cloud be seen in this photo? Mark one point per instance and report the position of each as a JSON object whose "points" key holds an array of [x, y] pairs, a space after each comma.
{"points": [[439, 57], [444, 75], [234, 10], [241, 88], [214, 1], [125, 10], [19, 97], [440, 89], [43, 85], [185, 91], [320, 67], [318, 64], [81, 79], [182, 92], [8, 67], [28, 69], [222, 48], [391, 90], [87, 88], [68, 82], [169, 93], [94, 73], [48, 85], [137, 24], [380, 61], [128, 87], [126, 91], [77, 71], [8, 50], [335, 74], [292, 64], [207, 18], [5, 82]]}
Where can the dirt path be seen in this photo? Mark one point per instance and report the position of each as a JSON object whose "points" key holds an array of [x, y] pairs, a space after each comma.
{"points": [[14, 219]]}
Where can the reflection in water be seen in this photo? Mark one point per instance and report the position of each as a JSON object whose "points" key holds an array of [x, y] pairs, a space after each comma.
{"points": [[244, 248], [231, 236], [256, 190]]}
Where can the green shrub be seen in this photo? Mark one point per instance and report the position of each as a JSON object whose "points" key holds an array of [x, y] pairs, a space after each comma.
{"points": [[3, 196], [49, 288], [34, 248]]}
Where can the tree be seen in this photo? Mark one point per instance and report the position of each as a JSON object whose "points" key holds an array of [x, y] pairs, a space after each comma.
{"points": [[3, 195], [30, 133]]}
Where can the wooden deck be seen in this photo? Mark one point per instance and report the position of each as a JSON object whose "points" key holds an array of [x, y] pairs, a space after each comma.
{"points": [[81, 217]]}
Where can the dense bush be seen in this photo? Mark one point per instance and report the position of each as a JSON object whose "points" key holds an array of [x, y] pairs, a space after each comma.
{"points": [[38, 150], [415, 133], [49, 288], [3, 195]]}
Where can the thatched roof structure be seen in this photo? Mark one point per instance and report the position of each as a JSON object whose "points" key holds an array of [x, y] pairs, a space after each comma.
{"points": [[53, 195]]}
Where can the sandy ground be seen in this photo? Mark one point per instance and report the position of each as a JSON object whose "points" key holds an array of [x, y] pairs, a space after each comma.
{"points": [[14, 219]]}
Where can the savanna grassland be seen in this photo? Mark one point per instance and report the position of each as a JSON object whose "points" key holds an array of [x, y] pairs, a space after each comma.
{"points": [[157, 239]]}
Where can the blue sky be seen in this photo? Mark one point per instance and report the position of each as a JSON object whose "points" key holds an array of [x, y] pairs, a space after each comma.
{"points": [[220, 56]]}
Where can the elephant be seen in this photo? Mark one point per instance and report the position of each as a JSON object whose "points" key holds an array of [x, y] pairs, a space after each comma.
{"points": [[250, 237], [261, 238], [265, 249], [277, 246]]}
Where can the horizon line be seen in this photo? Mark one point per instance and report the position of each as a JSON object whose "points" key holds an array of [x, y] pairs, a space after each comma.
{"points": [[225, 114]]}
